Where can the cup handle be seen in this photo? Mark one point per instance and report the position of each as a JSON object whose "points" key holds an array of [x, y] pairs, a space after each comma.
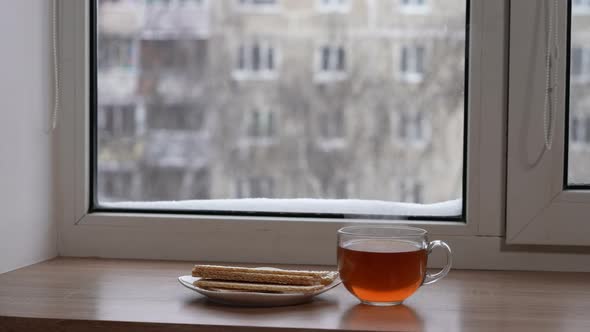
{"points": [[431, 278]]}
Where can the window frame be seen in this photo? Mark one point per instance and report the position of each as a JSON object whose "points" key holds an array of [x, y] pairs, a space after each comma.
{"points": [[84, 232], [542, 209], [409, 51], [267, 130], [420, 121], [266, 46], [332, 73]]}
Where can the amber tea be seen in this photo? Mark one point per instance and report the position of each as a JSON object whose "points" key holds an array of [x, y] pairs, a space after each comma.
{"points": [[382, 270]]}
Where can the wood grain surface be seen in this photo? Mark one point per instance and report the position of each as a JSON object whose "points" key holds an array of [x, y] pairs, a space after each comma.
{"points": [[123, 295]]}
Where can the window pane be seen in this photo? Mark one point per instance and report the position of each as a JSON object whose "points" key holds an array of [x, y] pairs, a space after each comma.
{"points": [[270, 59], [578, 172], [341, 58], [326, 58], [256, 57], [212, 100]]}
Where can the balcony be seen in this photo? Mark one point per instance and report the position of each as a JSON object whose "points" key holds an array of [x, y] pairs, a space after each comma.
{"points": [[121, 17], [117, 84], [155, 20], [176, 20]]}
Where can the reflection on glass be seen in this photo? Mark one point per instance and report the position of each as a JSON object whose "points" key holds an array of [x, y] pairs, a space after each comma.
{"points": [[226, 99]]}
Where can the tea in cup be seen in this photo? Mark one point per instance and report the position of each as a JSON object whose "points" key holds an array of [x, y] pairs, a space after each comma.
{"points": [[384, 265]]}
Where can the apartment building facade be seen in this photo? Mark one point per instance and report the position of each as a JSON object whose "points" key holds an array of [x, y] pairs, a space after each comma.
{"points": [[214, 99]]}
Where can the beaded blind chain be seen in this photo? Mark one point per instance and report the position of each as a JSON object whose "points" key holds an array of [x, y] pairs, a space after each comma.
{"points": [[55, 67], [550, 97]]}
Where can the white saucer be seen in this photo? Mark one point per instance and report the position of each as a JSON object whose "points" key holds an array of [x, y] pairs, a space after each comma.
{"points": [[253, 299]]}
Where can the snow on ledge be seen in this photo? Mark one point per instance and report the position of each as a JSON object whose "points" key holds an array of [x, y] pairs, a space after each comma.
{"points": [[303, 205]]}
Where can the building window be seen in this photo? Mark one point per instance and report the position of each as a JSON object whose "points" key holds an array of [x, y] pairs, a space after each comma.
{"points": [[161, 183], [410, 190], [167, 54], [413, 128], [412, 61], [341, 189], [115, 52], [258, 5], [580, 63], [336, 187], [331, 62], [256, 60], [159, 2], [116, 185], [194, 3], [255, 187], [117, 120], [261, 124], [580, 129], [175, 117], [414, 6], [333, 6]]}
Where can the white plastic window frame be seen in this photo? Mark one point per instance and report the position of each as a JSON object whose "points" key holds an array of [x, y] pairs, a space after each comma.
{"points": [[260, 124], [332, 74], [411, 74], [267, 126], [418, 132], [540, 209], [264, 72], [130, 60], [281, 239]]}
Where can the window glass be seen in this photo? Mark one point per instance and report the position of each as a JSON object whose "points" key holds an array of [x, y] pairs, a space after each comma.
{"points": [[579, 103], [332, 59], [256, 60], [412, 65], [206, 102]]}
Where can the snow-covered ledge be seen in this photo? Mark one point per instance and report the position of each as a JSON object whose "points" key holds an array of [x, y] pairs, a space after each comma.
{"points": [[304, 205]]}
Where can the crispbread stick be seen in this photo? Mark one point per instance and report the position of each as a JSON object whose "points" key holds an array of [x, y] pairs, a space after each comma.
{"points": [[201, 268], [251, 287], [285, 277]]}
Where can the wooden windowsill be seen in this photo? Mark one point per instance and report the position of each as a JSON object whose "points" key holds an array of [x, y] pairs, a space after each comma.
{"points": [[68, 294]]}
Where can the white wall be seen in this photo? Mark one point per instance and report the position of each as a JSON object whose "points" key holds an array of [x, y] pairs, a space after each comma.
{"points": [[27, 229]]}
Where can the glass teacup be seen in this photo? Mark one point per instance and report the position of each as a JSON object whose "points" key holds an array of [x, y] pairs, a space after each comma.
{"points": [[384, 265]]}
